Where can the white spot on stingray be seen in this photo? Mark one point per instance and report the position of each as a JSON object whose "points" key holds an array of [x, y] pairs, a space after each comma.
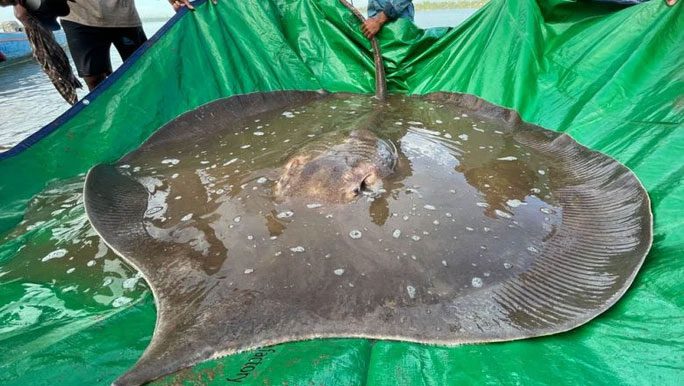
{"points": [[514, 203], [261, 180], [509, 158], [285, 214], [482, 204], [339, 272], [237, 219], [175, 175], [70, 270], [463, 137], [245, 146], [248, 271], [546, 210], [438, 121], [258, 133], [288, 114], [541, 172], [476, 282], [187, 217], [447, 136], [535, 190], [444, 263], [59, 253], [170, 161], [411, 291], [533, 249], [470, 229], [90, 263], [396, 234], [298, 249], [229, 162], [503, 214], [464, 115], [507, 265], [314, 205], [355, 234], [429, 207], [415, 237]]}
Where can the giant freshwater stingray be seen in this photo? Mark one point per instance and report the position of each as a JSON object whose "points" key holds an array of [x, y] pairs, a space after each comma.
{"points": [[373, 223]]}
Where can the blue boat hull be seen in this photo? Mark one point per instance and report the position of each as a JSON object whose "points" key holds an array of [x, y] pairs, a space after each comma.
{"points": [[15, 45]]}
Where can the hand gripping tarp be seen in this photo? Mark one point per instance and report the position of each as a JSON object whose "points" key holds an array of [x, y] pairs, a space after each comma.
{"points": [[611, 77]]}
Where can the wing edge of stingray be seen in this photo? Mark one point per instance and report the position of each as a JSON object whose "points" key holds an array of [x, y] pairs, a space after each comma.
{"points": [[466, 101]]}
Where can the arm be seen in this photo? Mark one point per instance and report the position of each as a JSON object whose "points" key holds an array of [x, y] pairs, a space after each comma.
{"points": [[393, 9]]}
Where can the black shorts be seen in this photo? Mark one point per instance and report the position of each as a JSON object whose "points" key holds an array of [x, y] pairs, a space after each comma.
{"points": [[90, 46]]}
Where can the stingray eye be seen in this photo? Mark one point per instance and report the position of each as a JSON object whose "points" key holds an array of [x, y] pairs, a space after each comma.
{"points": [[357, 191]]}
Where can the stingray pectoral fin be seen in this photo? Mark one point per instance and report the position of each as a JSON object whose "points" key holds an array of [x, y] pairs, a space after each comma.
{"points": [[115, 205], [194, 323]]}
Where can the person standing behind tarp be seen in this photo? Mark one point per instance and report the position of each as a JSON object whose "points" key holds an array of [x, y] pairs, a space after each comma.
{"points": [[93, 26], [383, 11]]}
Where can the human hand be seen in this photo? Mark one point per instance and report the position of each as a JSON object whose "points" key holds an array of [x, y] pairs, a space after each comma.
{"points": [[372, 26], [178, 4]]}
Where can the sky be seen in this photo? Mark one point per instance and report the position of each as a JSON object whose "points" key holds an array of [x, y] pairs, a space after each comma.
{"points": [[161, 8]]}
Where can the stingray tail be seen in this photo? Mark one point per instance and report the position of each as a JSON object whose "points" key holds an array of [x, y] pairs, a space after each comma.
{"points": [[380, 82], [52, 59]]}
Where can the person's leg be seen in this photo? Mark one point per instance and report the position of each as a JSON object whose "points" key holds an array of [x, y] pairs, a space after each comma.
{"points": [[89, 47], [127, 40]]}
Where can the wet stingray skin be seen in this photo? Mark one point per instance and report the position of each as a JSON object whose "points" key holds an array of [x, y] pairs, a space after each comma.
{"points": [[579, 270]]}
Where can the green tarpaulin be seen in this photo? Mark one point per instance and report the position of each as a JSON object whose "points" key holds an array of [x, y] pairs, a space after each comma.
{"points": [[611, 77]]}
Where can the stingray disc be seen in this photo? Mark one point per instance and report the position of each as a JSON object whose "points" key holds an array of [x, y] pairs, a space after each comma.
{"points": [[489, 229]]}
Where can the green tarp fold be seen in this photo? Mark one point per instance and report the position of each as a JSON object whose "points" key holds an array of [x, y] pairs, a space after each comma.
{"points": [[611, 77]]}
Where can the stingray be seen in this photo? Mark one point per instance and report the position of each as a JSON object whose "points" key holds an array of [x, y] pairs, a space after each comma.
{"points": [[373, 226], [493, 230]]}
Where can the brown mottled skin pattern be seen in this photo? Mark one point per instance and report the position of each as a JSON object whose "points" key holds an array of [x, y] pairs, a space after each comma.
{"points": [[337, 168]]}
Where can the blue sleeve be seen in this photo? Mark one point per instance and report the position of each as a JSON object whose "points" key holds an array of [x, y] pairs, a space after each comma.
{"points": [[394, 8]]}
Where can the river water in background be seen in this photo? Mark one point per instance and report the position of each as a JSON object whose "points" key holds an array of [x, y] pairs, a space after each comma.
{"points": [[29, 101]]}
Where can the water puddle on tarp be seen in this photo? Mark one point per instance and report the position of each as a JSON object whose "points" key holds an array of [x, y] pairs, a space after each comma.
{"points": [[467, 203], [465, 195]]}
